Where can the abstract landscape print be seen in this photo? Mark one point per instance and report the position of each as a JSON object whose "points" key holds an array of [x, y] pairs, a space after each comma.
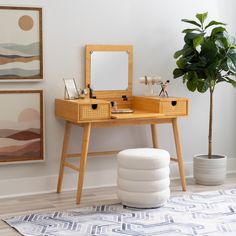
{"points": [[20, 43], [21, 126]]}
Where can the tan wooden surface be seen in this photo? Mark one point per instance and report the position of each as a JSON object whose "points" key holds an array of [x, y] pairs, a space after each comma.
{"points": [[50, 202], [154, 136], [136, 115], [81, 110], [144, 108], [67, 131], [179, 153], [106, 93], [163, 105], [83, 160], [146, 111], [85, 142]]}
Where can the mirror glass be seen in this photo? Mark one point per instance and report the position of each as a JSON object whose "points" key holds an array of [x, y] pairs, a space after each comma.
{"points": [[109, 70]]}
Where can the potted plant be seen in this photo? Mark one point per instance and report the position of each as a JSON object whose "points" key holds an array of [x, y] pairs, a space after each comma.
{"points": [[207, 58]]}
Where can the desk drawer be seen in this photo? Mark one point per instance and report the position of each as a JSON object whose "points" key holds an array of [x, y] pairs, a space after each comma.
{"points": [[94, 111], [169, 106], [174, 107], [82, 110]]}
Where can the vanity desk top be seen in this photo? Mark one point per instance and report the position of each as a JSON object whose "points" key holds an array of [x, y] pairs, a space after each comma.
{"points": [[99, 111]]}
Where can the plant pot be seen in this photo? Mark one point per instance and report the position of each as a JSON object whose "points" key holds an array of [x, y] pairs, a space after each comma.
{"points": [[209, 171]]}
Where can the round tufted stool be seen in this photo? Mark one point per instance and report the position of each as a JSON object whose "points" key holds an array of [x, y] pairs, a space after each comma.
{"points": [[143, 177]]}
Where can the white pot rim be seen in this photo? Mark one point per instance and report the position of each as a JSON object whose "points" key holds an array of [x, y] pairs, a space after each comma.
{"points": [[215, 156]]}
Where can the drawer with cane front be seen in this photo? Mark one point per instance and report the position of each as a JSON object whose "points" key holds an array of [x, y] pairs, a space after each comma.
{"points": [[82, 109]]}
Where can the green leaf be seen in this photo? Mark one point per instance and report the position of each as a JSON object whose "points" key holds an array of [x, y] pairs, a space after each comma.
{"points": [[221, 80], [232, 51], [192, 79], [188, 50], [223, 37], [223, 65], [191, 30], [213, 65], [191, 22], [202, 17], [202, 86], [214, 23], [231, 41], [231, 81], [231, 63], [231, 60], [181, 63], [209, 50], [197, 41], [185, 78], [178, 53], [191, 85], [189, 37], [220, 44], [217, 30], [178, 72]]}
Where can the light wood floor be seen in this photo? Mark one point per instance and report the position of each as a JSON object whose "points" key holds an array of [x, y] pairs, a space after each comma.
{"points": [[66, 200]]}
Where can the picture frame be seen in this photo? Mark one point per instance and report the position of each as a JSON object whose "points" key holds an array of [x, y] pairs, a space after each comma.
{"points": [[21, 126], [21, 46], [71, 91]]}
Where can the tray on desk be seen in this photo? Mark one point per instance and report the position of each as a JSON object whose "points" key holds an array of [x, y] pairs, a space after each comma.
{"points": [[136, 115]]}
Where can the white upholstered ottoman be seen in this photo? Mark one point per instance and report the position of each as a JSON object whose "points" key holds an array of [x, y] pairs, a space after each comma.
{"points": [[143, 177]]}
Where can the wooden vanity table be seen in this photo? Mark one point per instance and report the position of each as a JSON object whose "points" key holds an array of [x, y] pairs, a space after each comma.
{"points": [[96, 113]]}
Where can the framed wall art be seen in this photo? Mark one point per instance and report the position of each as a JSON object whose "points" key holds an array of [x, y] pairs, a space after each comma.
{"points": [[21, 53], [21, 126]]}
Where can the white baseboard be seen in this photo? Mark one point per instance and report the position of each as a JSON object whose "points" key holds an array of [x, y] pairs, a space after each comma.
{"points": [[47, 184]]}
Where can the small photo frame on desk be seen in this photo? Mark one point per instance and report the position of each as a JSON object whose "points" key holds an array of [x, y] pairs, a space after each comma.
{"points": [[71, 91]]}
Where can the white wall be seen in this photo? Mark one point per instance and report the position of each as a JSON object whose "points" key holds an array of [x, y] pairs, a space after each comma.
{"points": [[154, 28]]}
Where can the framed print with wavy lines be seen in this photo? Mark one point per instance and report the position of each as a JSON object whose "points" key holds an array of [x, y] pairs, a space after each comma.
{"points": [[21, 126], [21, 53]]}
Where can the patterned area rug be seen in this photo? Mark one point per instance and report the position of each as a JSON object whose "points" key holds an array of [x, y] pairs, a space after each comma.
{"points": [[207, 213]]}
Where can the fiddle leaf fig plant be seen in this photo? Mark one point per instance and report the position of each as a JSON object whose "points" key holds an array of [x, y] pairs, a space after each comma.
{"points": [[207, 58]]}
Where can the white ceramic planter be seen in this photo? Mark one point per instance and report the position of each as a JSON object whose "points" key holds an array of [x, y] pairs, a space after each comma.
{"points": [[209, 171]]}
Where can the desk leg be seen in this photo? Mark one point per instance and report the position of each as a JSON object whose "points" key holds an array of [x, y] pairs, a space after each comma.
{"points": [[83, 160], [179, 153], [154, 136], [63, 155]]}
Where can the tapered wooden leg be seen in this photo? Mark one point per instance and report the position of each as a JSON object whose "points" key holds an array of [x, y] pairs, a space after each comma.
{"points": [[63, 155], [154, 136], [83, 160], [179, 153]]}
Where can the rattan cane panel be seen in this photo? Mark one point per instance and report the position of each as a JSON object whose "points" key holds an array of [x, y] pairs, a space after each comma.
{"points": [[94, 112]]}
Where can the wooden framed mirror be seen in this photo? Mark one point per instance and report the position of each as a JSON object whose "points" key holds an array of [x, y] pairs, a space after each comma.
{"points": [[109, 70]]}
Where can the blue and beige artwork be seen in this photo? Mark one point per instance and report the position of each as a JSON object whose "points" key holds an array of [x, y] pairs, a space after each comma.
{"points": [[19, 44]]}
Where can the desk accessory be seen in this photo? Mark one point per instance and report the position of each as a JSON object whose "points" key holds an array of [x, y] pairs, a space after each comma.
{"points": [[164, 92], [115, 110], [150, 83], [71, 90]]}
